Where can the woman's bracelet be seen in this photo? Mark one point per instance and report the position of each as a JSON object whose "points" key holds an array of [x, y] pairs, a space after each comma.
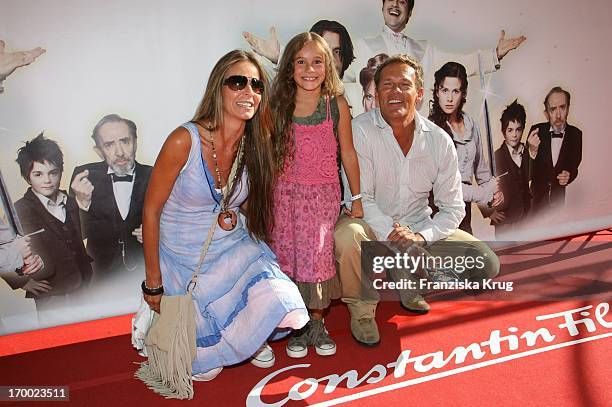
{"points": [[151, 290]]}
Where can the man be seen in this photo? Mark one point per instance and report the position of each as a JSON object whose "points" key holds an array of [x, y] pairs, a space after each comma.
{"points": [[555, 148], [402, 156], [392, 40], [512, 160], [110, 195]]}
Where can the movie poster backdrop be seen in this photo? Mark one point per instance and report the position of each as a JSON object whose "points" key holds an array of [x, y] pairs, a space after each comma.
{"points": [[148, 61]]}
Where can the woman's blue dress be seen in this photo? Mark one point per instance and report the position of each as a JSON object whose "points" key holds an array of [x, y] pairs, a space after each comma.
{"points": [[241, 296]]}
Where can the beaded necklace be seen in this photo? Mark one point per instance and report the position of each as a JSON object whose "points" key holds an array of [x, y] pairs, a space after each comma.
{"points": [[227, 218]]}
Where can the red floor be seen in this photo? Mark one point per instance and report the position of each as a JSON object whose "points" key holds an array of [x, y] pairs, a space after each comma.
{"points": [[563, 370]]}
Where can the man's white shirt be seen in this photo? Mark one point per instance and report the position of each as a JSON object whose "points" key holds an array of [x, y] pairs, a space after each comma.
{"points": [[395, 188], [123, 193]]}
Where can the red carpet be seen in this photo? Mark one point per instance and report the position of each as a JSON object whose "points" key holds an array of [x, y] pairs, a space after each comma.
{"points": [[556, 368]]}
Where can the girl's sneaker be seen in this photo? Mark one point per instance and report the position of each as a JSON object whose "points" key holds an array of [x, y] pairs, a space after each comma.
{"points": [[297, 347], [324, 345]]}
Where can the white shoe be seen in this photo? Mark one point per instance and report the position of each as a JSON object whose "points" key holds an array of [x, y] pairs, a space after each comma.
{"points": [[264, 357], [207, 376]]}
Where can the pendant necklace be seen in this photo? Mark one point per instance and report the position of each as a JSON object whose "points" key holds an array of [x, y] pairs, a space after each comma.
{"points": [[227, 218]]}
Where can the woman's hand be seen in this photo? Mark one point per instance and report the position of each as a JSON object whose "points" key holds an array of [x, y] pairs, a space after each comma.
{"points": [[154, 302]]}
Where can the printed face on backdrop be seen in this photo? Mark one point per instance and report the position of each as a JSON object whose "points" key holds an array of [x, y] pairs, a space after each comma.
{"points": [[557, 110], [44, 178], [513, 133], [116, 146], [395, 14], [333, 40], [397, 92], [450, 95], [243, 103], [369, 97], [309, 67]]}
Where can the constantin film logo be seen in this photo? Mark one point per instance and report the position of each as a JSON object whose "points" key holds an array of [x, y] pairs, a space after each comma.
{"points": [[589, 323]]}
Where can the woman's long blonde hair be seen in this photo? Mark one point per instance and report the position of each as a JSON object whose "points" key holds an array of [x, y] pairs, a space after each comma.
{"points": [[258, 155]]}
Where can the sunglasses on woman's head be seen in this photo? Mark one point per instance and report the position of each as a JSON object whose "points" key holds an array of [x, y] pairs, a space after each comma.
{"points": [[239, 82]]}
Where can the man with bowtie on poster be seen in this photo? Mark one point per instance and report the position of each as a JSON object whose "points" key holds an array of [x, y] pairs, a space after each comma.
{"points": [[110, 195], [555, 149]]}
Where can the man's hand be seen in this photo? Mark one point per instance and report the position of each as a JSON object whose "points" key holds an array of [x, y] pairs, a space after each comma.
{"points": [[403, 236], [563, 178], [506, 45], [533, 143], [498, 199], [268, 48], [83, 189], [37, 287], [31, 262], [138, 233], [23, 245], [9, 61]]}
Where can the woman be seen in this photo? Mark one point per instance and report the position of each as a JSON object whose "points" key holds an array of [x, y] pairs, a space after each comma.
{"points": [[366, 79], [449, 96], [241, 296]]}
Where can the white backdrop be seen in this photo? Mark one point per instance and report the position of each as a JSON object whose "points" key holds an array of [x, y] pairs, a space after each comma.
{"points": [[149, 61]]}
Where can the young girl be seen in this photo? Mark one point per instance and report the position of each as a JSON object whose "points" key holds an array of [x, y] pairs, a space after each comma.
{"points": [[313, 130], [449, 96]]}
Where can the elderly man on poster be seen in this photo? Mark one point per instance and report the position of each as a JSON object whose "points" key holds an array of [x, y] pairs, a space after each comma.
{"points": [[402, 156], [110, 194], [555, 149]]}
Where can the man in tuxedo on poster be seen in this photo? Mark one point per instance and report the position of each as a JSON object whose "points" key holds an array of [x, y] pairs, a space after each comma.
{"points": [[555, 149], [110, 195]]}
